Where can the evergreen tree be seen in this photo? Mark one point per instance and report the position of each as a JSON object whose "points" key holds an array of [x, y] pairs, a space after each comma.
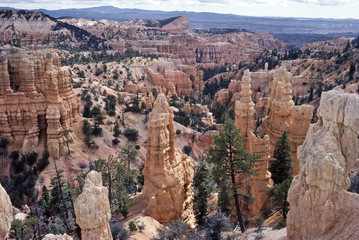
{"points": [[281, 166], [280, 194], [86, 129], [224, 198], [128, 154], [23, 229], [201, 193], [281, 169], [116, 130], [115, 178], [87, 110], [61, 201], [98, 120], [231, 159]]}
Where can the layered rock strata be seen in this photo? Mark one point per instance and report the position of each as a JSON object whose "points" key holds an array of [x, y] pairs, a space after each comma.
{"points": [[168, 174], [320, 206], [244, 120], [36, 101], [5, 213], [284, 116], [92, 209]]}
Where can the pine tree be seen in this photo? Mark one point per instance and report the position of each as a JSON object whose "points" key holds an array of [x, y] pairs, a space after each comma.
{"points": [[61, 200], [200, 203], [281, 166], [280, 194], [224, 198], [115, 178], [231, 159], [281, 169]]}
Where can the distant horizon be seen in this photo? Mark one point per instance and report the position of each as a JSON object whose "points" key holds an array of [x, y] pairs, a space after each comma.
{"points": [[78, 8], [312, 9]]}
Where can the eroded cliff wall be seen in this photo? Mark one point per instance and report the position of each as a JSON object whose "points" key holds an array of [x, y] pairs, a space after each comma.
{"points": [[36, 101], [320, 206]]}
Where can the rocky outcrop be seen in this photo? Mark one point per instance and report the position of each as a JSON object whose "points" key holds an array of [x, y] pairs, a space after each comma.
{"points": [[177, 79], [36, 28], [36, 101], [301, 117], [280, 104], [168, 173], [320, 206], [244, 120], [57, 237], [179, 25], [284, 116], [92, 209], [5, 213]]}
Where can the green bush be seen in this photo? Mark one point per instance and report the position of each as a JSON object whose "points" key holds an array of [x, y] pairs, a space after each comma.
{"points": [[281, 224], [119, 232], [132, 226], [131, 134], [187, 149]]}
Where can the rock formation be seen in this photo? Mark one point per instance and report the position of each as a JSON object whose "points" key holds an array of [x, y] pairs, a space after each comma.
{"points": [[168, 173], [179, 25], [57, 237], [36, 101], [284, 116], [187, 107], [92, 209], [244, 110], [5, 213], [320, 206]]}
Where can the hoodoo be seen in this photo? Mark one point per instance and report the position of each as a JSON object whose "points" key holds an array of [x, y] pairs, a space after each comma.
{"points": [[168, 173]]}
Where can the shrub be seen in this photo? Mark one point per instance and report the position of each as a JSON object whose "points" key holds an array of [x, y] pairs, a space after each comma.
{"points": [[132, 226], [281, 224], [216, 224], [115, 141], [16, 163], [119, 232], [354, 183], [174, 230], [30, 158], [187, 149], [131, 134], [43, 161], [182, 118]]}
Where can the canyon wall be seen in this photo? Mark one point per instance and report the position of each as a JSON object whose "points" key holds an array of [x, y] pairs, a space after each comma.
{"points": [[168, 174], [36, 101], [320, 206]]}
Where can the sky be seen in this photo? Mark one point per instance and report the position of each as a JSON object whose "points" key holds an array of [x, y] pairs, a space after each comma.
{"points": [[277, 8]]}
